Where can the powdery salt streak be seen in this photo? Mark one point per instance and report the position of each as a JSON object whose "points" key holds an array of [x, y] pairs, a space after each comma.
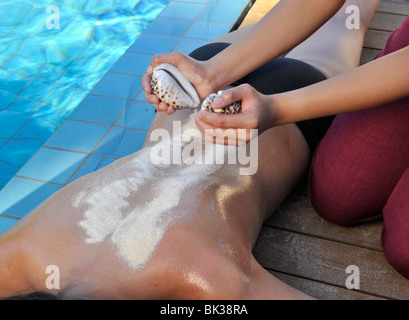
{"points": [[137, 231]]}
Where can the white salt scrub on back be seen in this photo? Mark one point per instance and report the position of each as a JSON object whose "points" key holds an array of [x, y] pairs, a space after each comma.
{"points": [[136, 231]]}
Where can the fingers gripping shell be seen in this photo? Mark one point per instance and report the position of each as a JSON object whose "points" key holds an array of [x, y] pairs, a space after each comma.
{"points": [[171, 87], [234, 108]]}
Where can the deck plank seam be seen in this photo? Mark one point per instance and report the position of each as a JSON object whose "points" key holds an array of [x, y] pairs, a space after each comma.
{"points": [[321, 238], [329, 284]]}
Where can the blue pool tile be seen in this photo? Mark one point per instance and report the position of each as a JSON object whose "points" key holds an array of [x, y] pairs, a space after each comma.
{"points": [[13, 19], [36, 129], [77, 135], [220, 14], [208, 30], [15, 83], [2, 142], [20, 196], [6, 223], [31, 50], [60, 165], [36, 87], [78, 65], [59, 95], [18, 152], [23, 65], [182, 10], [63, 115], [141, 96], [13, 41], [24, 105], [134, 63], [11, 122], [7, 172], [100, 109], [187, 45], [121, 142], [118, 85], [139, 115], [48, 113], [154, 43], [66, 46], [6, 99], [169, 26], [52, 72], [93, 163], [32, 20]]}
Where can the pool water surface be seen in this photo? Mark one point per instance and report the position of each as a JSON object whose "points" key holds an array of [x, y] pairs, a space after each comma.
{"points": [[52, 53]]}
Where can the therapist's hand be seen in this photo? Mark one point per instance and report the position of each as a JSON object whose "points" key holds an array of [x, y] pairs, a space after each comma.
{"points": [[258, 112], [195, 71]]}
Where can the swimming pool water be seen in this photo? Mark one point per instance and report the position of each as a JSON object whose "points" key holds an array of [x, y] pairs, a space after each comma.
{"points": [[45, 72]]}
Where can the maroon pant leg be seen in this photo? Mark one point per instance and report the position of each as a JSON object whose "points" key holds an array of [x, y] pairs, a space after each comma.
{"points": [[359, 162], [395, 233], [362, 157]]}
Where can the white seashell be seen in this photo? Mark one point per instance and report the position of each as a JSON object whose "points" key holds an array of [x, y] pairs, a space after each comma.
{"points": [[170, 86], [234, 108]]}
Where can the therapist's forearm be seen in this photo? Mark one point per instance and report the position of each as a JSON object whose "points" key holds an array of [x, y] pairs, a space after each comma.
{"points": [[379, 82], [289, 23]]}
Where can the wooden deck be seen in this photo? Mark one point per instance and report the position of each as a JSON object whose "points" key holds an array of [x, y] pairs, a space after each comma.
{"points": [[307, 252]]}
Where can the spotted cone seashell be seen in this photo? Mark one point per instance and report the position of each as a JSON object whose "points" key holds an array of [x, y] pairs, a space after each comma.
{"points": [[234, 108], [171, 87]]}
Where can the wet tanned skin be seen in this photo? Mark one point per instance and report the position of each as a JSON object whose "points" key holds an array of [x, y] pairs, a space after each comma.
{"points": [[206, 253], [215, 238]]}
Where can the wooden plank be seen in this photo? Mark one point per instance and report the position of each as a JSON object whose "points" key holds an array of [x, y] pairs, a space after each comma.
{"points": [[258, 11], [394, 7], [322, 291], [326, 261], [368, 55], [386, 21], [376, 39], [297, 214]]}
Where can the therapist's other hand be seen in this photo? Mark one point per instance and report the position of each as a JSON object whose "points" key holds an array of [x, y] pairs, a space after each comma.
{"points": [[194, 71], [258, 112]]}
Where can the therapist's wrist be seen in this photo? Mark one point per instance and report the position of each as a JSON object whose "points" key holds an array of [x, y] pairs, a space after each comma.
{"points": [[217, 75], [277, 112], [286, 108]]}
